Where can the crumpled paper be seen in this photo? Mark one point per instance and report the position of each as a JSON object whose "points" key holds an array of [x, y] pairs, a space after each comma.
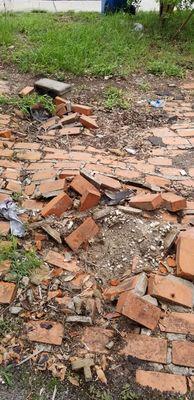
{"points": [[9, 211]]}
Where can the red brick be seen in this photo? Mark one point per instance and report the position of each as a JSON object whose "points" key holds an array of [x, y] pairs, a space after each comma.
{"points": [[6, 153], [96, 338], [4, 228], [10, 164], [57, 206], [5, 133], [86, 231], [72, 130], [176, 322], [60, 100], [191, 172], [183, 353], [48, 187], [191, 141], [170, 172], [49, 123], [107, 183], [88, 122], [67, 173], [78, 108], [157, 180], [39, 166], [6, 143], [7, 292], [162, 132], [61, 109], [32, 156], [175, 141], [14, 186], [89, 199], [81, 185], [185, 254], [99, 168], [186, 132], [44, 174], [10, 173], [172, 289], [160, 161], [26, 91], [5, 267], [68, 119], [190, 205], [29, 189], [162, 381], [172, 202], [127, 173], [68, 165], [49, 332], [32, 205], [146, 348], [188, 85], [58, 260], [188, 183], [166, 216], [27, 145], [4, 196], [138, 310], [145, 168], [146, 201], [113, 292]]}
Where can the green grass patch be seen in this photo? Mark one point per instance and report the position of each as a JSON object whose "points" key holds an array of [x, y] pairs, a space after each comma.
{"points": [[27, 102], [23, 262], [115, 98], [91, 43]]}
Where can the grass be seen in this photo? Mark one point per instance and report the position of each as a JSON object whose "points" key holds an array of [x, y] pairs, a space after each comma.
{"points": [[91, 43], [7, 375], [27, 102], [23, 262], [115, 98]]}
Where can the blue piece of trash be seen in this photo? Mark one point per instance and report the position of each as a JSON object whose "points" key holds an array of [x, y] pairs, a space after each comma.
{"points": [[157, 103]]}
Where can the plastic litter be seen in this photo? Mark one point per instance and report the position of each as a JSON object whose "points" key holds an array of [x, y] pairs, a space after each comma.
{"points": [[157, 103], [9, 211], [138, 27]]}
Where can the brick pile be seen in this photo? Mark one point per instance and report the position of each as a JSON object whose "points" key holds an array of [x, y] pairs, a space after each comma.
{"points": [[56, 184]]}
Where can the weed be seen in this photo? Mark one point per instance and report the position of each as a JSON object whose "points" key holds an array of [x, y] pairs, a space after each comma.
{"points": [[27, 102], [22, 262], [115, 98], [128, 394], [97, 394], [7, 375], [9, 325], [165, 68], [16, 196], [144, 86]]}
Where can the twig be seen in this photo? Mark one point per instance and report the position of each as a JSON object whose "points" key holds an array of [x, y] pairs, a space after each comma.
{"points": [[30, 356], [54, 393], [183, 24]]}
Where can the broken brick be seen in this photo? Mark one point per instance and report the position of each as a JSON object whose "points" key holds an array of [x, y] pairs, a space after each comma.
{"points": [[89, 199], [11, 174], [172, 202], [28, 155], [7, 292], [176, 322], [86, 231], [59, 100], [137, 284], [68, 119], [45, 332], [88, 122], [71, 130], [138, 310], [78, 108], [48, 188], [146, 348], [58, 260], [185, 254], [172, 289], [26, 91], [57, 206], [147, 202], [42, 175], [81, 185], [14, 186], [29, 189], [183, 353], [4, 228], [162, 381], [5, 266], [5, 133], [61, 109], [32, 205], [96, 338]]}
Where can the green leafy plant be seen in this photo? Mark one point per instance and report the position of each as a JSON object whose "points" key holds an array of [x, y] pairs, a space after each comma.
{"points": [[165, 68], [115, 98], [27, 102], [128, 394], [7, 375]]}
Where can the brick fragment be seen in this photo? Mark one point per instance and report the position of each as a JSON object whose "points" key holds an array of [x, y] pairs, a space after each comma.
{"points": [[183, 353], [186, 132], [27, 145], [157, 180], [26, 91], [32, 156], [7, 292], [138, 310], [172, 202], [57, 206], [146, 348], [176, 322], [44, 174], [61, 109], [81, 185], [4, 228], [68, 119], [96, 339], [88, 122], [162, 381], [185, 254], [29, 189], [78, 108], [10, 173], [188, 85], [5, 266], [107, 183], [89, 199], [48, 188], [58, 260], [146, 201], [59, 100], [14, 186], [86, 231], [175, 141], [49, 332], [172, 289], [5, 133], [32, 205], [160, 161], [137, 284], [72, 130], [68, 173], [6, 153], [39, 166]]}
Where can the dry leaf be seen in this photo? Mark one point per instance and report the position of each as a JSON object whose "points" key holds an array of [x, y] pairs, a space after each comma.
{"points": [[101, 374], [73, 380]]}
